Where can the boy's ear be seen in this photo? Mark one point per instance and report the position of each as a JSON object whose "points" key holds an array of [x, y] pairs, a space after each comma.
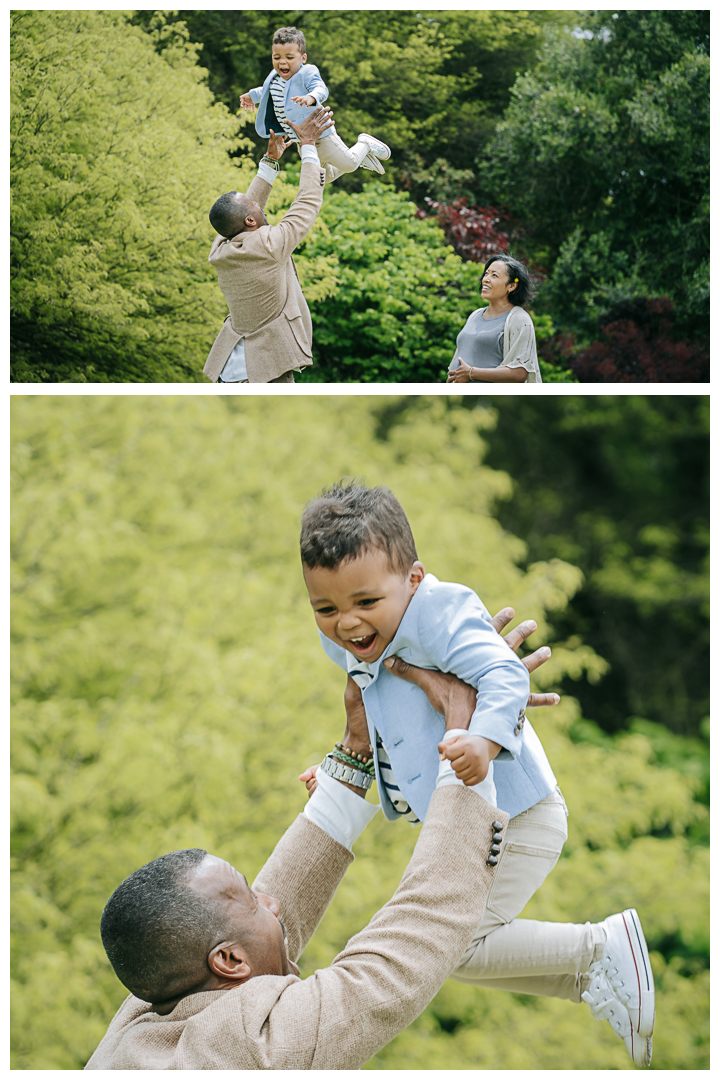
{"points": [[417, 573]]}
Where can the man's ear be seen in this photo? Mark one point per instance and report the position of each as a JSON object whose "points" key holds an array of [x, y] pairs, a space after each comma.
{"points": [[228, 961], [417, 573], [250, 221]]}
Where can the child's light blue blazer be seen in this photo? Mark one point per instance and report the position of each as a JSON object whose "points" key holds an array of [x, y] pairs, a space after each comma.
{"points": [[308, 80], [447, 627]]}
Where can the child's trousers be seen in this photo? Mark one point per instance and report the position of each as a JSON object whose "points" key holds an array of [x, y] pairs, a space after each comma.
{"points": [[337, 158], [523, 955]]}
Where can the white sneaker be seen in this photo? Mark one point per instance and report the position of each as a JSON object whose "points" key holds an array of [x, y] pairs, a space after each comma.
{"points": [[371, 162], [379, 149], [626, 964], [605, 1006]]}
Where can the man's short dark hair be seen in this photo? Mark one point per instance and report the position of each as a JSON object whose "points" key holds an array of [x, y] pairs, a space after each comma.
{"points": [[285, 35], [348, 519], [523, 292], [157, 931], [228, 214]]}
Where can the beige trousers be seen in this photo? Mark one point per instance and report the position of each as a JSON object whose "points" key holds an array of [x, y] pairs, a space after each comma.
{"points": [[337, 158], [523, 955]]}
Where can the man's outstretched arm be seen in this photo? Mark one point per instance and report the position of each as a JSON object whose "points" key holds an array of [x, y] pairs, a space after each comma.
{"points": [[282, 239]]}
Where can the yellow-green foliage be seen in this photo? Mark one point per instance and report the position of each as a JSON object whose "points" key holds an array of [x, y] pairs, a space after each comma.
{"points": [[168, 687]]}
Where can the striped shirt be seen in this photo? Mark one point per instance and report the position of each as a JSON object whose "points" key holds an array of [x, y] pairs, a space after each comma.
{"points": [[277, 91], [360, 674]]}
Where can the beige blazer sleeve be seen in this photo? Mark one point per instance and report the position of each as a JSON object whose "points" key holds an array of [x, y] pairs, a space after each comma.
{"points": [[303, 874], [281, 240]]}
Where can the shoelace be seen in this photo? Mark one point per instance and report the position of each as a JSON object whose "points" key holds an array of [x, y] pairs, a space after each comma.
{"points": [[603, 1003], [617, 984]]}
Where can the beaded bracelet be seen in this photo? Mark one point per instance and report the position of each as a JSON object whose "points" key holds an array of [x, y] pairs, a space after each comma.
{"points": [[356, 756], [356, 763], [368, 768]]}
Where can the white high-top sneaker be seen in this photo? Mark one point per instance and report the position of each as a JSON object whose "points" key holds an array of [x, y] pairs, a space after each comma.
{"points": [[626, 964], [377, 152]]}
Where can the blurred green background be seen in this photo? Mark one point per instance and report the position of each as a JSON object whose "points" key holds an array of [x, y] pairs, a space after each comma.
{"points": [[168, 685]]}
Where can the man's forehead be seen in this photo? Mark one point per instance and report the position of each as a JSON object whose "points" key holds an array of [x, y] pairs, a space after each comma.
{"points": [[214, 869]]}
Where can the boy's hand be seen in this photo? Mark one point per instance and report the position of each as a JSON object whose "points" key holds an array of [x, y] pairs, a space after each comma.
{"points": [[308, 100], [470, 756], [246, 102], [308, 778]]}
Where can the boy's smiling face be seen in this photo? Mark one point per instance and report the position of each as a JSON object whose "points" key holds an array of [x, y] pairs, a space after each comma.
{"points": [[287, 59], [360, 603]]}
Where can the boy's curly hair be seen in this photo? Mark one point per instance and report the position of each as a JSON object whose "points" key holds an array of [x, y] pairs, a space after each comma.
{"points": [[285, 35], [347, 519]]}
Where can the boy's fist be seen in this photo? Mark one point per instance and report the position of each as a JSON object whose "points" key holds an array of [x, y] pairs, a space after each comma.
{"points": [[470, 756], [247, 102], [308, 100]]}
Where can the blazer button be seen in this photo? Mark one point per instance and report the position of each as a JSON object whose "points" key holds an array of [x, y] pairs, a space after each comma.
{"points": [[494, 849], [497, 838], [497, 826], [492, 860]]}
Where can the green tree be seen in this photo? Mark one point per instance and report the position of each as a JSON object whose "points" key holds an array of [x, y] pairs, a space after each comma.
{"points": [[168, 687], [604, 150], [619, 486], [117, 153]]}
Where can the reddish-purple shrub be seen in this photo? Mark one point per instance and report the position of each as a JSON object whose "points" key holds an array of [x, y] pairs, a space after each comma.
{"points": [[636, 346], [477, 232]]}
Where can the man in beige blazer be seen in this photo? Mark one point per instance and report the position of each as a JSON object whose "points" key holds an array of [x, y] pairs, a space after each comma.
{"points": [[211, 963], [268, 333]]}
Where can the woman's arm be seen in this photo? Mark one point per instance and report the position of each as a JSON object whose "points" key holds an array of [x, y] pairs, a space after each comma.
{"points": [[465, 373]]}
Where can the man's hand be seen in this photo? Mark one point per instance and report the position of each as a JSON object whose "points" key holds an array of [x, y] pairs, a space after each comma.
{"points": [[277, 145], [461, 373], [356, 737], [471, 755], [247, 102], [308, 100], [515, 639], [308, 779], [311, 129]]}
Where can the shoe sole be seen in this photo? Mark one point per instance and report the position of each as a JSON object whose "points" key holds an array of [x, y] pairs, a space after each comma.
{"points": [[644, 1021], [640, 1049], [375, 166]]}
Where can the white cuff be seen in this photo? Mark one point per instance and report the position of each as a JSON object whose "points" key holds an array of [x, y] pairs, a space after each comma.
{"points": [[338, 811], [309, 153], [446, 774], [267, 173]]}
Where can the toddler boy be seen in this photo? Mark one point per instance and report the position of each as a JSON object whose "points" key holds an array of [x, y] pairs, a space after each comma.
{"points": [[373, 601], [293, 87]]}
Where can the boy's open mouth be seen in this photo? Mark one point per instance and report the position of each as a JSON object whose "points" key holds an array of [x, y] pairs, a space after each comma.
{"points": [[364, 644]]}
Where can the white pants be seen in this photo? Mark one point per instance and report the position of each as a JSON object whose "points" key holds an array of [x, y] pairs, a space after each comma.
{"points": [[337, 158], [523, 955]]}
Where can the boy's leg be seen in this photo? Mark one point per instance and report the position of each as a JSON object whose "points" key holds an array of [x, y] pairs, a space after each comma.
{"points": [[338, 158], [537, 957]]}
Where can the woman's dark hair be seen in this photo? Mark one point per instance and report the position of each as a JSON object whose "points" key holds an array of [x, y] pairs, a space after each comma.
{"points": [[523, 292]]}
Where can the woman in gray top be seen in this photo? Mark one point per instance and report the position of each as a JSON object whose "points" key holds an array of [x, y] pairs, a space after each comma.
{"points": [[497, 343]]}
